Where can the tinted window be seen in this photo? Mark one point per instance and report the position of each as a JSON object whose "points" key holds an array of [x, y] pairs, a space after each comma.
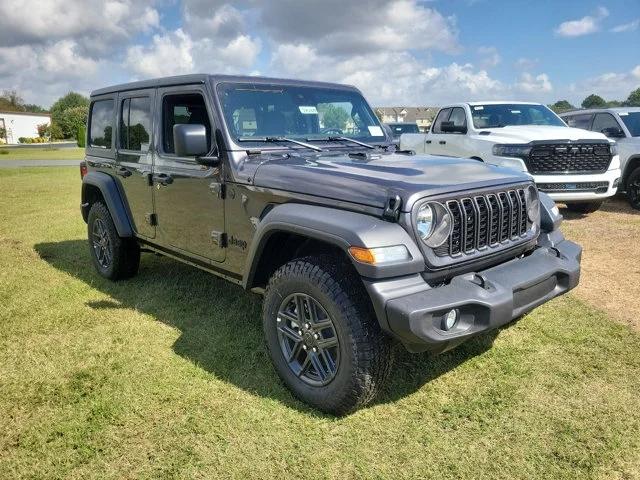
{"points": [[442, 117], [579, 121], [183, 109], [300, 112], [603, 121], [632, 121], [458, 117], [503, 115], [135, 124], [100, 124]]}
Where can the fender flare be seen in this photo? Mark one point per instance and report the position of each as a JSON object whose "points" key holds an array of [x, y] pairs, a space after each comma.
{"points": [[633, 160], [109, 190], [340, 228]]}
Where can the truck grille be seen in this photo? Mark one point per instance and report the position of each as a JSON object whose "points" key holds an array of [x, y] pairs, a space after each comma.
{"points": [[569, 158], [597, 187], [485, 221]]}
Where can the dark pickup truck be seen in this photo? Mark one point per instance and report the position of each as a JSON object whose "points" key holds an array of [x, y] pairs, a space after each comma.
{"points": [[353, 243]]}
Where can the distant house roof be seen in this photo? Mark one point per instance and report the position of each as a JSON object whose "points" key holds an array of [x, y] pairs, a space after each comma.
{"points": [[409, 114], [29, 114]]}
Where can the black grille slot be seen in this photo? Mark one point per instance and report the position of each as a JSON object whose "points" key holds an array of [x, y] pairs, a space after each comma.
{"points": [[569, 158], [485, 221], [598, 187]]}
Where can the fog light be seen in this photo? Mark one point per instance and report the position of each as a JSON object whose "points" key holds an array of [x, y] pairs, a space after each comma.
{"points": [[450, 319], [616, 183]]}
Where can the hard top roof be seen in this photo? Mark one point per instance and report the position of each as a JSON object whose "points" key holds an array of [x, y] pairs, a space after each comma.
{"points": [[203, 78]]}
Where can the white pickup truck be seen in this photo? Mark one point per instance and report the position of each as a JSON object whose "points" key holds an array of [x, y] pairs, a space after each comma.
{"points": [[576, 167]]}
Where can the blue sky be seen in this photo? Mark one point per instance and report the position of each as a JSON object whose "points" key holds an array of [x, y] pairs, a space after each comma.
{"points": [[399, 52]]}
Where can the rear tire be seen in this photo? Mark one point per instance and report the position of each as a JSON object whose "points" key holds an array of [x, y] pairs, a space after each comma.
{"points": [[357, 349], [114, 257], [633, 189], [584, 207]]}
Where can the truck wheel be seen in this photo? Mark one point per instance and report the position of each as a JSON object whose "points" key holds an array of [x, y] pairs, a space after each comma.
{"points": [[584, 207], [633, 189], [114, 257], [322, 335]]}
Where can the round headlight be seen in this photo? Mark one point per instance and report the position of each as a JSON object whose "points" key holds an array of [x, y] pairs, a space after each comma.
{"points": [[533, 204], [434, 224], [424, 221]]}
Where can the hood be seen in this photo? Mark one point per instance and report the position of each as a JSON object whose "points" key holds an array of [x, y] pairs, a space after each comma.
{"points": [[529, 133], [372, 179]]}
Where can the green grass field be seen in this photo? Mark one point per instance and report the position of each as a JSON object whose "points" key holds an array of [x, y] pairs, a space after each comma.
{"points": [[41, 153], [165, 376]]}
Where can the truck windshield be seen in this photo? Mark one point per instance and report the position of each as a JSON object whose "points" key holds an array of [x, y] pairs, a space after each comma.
{"points": [[506, 114], [298, 112], [632, 121], [399, 128]]}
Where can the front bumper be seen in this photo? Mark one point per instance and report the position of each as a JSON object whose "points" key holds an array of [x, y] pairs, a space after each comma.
{"points": [[570, 186], [484, 300]]}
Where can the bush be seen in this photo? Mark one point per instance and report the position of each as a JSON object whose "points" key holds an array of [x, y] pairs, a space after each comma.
{"points": [[4, 151], [22, 139], [56, 132], [43, 129], [82, 137], [28, 140], [68, 122]]}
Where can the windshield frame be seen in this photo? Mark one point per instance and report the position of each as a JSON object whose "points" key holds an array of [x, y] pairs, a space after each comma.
{"points": [[242, 145], [623, 116], [477, 107]]}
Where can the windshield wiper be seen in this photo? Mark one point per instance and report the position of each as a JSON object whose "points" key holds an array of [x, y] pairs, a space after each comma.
{"points": [[278, 140], [340, 139]]}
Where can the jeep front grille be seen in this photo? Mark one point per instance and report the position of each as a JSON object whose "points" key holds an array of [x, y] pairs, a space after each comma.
{"points": [[572, 157], [485, 221]]}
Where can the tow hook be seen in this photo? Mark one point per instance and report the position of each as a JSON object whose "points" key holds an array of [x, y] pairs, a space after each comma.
{"points": [[392, 209]]}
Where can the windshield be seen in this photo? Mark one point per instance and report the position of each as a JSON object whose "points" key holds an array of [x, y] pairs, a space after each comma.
{"points": [[303, 113], [399, 129], [632, 121], [505, 114]]}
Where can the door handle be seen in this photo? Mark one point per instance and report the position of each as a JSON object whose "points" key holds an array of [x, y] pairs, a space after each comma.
{"points": [[163, 179], [428, 141], [123, 172], [443, 142]]}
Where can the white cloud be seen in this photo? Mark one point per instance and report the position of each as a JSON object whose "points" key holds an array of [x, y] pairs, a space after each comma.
{"points": [[530, 84], [524, 63], [584, 26], [627, 27], [611, 85], [489, 56]]}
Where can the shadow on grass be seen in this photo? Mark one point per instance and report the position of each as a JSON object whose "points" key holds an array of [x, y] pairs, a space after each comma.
{"points": [[220, 325]]}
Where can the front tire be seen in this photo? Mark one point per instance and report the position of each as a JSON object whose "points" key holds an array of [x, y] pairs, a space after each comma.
{"points": [[323, 338], [113, 257], [584, 207], [633, 189]]}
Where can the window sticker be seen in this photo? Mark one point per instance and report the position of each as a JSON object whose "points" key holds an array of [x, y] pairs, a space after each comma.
{"points": [[480, 107], [516, 111], [623, 114], [375, 131], [308, 109], [247, 125]]}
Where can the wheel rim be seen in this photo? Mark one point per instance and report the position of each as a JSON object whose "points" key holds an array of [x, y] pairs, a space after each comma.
{"points": [[101, 243], [308, 339], [634, 192]]}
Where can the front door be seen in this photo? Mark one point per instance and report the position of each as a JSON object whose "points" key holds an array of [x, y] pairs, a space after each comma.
{"points": [[134, 158], [436, 139], [188, 203]]}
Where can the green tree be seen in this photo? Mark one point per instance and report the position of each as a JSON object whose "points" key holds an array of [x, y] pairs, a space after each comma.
{"points": [[68, 121], [333, 116], [594, 101], [561, 106], [11, 101], [634, 98], [33, 108], [3, 134], [82, 137]]}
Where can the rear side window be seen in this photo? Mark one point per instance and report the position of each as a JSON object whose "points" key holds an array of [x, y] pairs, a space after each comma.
{"points": [[135, 124], [101, 124], [579, 121], [442, 117]]}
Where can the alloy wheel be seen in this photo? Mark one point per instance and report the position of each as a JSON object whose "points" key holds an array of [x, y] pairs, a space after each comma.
{"points": [[102, 243]]}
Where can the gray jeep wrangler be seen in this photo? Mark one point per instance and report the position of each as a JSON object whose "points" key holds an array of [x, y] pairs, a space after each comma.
{"points": [[292, 189]]}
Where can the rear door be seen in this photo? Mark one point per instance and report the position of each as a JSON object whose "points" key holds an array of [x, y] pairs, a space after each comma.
{"points": [[134, 159]]}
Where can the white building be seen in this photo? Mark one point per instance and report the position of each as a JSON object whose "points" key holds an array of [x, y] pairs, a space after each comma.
{"points": [[21, 124]]}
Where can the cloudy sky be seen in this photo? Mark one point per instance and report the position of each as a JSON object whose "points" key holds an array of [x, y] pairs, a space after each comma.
{"points": [[402, 52]]}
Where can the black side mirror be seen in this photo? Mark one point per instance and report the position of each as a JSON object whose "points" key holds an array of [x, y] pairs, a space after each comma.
{"points": [[450, 127], [613, 132], [190, 140]]}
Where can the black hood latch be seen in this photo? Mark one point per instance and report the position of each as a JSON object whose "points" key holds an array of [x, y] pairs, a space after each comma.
{"points": [[392, 208]]}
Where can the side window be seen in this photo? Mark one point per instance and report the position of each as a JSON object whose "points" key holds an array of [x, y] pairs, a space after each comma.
{"points": [[442, 117], [604, 121], [579, 121], [458, 117], [184, 108], [135, 124], [100, 124]]}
